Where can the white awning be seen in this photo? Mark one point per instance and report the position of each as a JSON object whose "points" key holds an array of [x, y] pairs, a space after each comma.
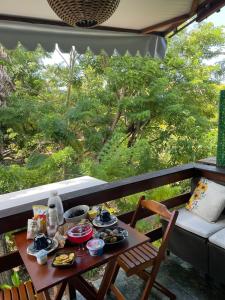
{"points": [[135, 26], [130, 14], [31, 35]]}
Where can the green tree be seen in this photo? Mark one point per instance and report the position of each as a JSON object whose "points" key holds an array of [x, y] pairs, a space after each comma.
{"points": [[110, 117]]}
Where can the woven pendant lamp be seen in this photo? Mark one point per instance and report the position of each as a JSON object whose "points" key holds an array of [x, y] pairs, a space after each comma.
{"points": [[84, 13]]}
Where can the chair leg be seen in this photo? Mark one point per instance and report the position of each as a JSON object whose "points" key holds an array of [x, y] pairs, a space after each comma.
{"points": [[150, 282], [164, 290], [147, 289], [115, 274], [117, 293], [146, 276]]}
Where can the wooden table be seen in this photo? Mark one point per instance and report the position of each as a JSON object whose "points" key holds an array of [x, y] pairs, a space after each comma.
{"points": [[46, 276]]}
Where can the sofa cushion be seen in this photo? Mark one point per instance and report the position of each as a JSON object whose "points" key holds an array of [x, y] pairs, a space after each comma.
{"points": [[197, 225], [218, 238], [208, 200]]}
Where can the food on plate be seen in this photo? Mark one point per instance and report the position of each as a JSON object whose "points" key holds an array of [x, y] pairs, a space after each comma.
{"points": [[64, 259], [111, 236]]}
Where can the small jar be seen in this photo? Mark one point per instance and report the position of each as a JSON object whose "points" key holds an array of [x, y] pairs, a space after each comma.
{"points": [[95, 247], [42, 257]]}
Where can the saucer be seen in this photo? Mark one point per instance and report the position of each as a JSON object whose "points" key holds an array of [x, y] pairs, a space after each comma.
{"points": [[98, 223], [32, 251]]}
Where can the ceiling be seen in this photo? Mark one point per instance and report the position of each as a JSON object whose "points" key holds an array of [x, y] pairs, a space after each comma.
{"points": [[140, 16]]}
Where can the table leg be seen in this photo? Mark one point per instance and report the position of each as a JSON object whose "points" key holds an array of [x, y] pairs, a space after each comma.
{"points": [[80, 284], [88, 291], [47, 295], [107, 279], [61, 291], [72, 292]]}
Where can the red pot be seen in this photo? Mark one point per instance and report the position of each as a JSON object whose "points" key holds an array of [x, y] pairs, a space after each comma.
{"points": [[80, 234]]}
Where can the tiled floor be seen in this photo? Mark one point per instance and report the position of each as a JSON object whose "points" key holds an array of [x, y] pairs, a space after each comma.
{"points": [[176, 275]]}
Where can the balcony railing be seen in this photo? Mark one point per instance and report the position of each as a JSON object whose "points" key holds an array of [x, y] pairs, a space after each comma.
{"points": [[113, 191]]}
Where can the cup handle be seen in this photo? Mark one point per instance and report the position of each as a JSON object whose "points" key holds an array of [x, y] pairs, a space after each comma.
{"points": [[49, 241]]}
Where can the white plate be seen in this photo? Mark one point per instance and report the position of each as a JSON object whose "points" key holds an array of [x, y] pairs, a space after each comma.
{"points": [[97, 223], [33, 252]]}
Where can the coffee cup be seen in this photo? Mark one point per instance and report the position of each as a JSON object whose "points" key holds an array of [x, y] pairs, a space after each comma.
{"points": [[41, 242], [105, 216]]}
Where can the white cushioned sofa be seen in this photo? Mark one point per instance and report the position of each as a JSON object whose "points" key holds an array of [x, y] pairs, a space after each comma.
{"points": [[197, 225], [199, 242], [216, 252]]}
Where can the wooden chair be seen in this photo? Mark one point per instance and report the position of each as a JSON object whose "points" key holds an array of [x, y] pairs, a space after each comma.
{"points": [[137, 260], [24, 292]]}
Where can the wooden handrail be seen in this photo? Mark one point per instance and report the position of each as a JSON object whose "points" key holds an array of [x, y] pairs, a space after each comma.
{"points": [[210, 172], [10, 261], [107, 192]]}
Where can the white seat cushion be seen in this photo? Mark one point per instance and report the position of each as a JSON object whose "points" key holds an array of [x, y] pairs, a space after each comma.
{"points": [[218, 238], [197, 225]]}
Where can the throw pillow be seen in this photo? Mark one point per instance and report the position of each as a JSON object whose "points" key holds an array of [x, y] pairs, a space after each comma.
{"points": [[208, 200]]}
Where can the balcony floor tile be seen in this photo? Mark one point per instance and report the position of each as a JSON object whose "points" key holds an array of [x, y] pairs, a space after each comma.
{"points": [[176, 275]]}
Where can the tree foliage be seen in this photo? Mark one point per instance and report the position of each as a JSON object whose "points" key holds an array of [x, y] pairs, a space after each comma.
{"points": [[110, 117]]}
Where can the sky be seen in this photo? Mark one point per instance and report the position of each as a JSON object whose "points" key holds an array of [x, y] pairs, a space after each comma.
{"points": [[217, 18]]}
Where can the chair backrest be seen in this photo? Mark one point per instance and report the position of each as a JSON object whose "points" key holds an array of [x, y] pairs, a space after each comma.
{"points": [[160, 209]]}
